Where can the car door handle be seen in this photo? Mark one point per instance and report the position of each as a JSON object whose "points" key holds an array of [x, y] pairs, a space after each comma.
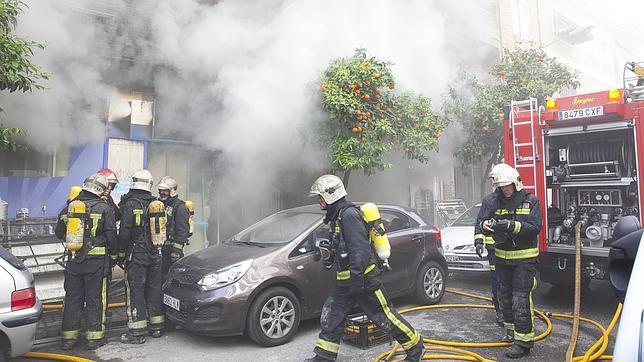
{"points": [[417, 238]]}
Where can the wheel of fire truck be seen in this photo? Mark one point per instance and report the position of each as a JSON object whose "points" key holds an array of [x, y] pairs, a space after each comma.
{"points": [[274, 317], [430, 283]]}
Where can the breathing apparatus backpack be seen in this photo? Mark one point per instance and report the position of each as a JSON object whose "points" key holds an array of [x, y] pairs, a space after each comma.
{"points": [[191, 210], [81, 225], [158, 221], [377, 232]]}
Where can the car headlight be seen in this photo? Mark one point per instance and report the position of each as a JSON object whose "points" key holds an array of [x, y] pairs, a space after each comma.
{"points": [[225, 276]]}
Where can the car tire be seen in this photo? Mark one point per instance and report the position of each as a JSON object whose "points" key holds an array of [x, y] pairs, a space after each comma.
{"points": [[430, 283], [278, 308]]}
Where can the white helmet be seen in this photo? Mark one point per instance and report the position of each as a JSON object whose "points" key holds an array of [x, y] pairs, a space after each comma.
{"points": [[330, 187], [503, 175], [96, 184], [142, 180], [168, 183]]}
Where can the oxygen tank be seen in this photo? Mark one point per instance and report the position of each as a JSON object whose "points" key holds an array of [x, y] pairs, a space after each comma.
{"points": [[191, 209], [377, 231], [158, 220], [75, 231], [73, 192]]}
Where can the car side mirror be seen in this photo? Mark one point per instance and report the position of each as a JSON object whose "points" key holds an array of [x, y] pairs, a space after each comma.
{"points": [[318, 255], [621, 257]]}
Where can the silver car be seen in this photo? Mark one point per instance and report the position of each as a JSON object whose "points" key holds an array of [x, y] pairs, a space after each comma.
{"points": [[20, 309], [458, 244]]}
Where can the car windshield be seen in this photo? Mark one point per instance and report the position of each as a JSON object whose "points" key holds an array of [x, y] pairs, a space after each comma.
{"points": [[277, 229], [468, 218]]}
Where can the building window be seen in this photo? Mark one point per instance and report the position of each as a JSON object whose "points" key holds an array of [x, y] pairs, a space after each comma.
{"points": [[520, 18], [31, 163]]}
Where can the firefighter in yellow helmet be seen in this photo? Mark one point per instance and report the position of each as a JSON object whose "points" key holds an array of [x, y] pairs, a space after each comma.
{"points": [[143, 277], [178, 226], [358, 276], [86, 271], [514, 221]]}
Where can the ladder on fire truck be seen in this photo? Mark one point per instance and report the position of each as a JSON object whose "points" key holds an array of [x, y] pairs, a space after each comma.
{"points": [[522, 124]]}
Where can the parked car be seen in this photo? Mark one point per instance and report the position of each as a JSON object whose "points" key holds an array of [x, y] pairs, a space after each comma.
{"points": [[268, 278], [626, 275], [458, 242], [20, 309]]}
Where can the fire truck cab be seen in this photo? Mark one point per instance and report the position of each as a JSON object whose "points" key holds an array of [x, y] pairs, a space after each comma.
{"points": [[582, 157]]}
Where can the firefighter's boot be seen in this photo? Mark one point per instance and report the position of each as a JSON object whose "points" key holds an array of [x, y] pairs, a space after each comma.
{"points": [[317, 359], [95, 343], [156, 333], [509, 337], [68, 344], [132, 339], [416, 353], [516, 351]]}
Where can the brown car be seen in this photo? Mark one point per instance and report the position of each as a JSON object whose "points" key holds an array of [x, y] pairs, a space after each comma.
{"points": [[268, 278]]}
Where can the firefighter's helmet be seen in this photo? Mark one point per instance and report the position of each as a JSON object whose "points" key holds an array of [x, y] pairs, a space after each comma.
{"points": [[503, 175], [142, 180], [73, 192], [112, 180], [168, 183], [330, 187], [96, 184]]}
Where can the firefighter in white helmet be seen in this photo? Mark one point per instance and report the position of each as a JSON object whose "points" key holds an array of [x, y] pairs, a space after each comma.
{"points": [[143, 277], [358, 276], [112, 181], [513, 220], [86, 270], [483, 242], [178, 226]]}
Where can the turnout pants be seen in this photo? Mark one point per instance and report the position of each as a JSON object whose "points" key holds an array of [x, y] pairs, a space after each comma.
{"points": [[85, 285], [168, 260], [516, 283], [144, 297], [378, 308], [494, 281]]}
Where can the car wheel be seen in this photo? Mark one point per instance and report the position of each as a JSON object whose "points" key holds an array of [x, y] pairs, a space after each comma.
{"points": [[430, 283], [274, 317]]}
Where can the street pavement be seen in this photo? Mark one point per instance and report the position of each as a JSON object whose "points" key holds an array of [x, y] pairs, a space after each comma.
{"points": [[598, 303]]}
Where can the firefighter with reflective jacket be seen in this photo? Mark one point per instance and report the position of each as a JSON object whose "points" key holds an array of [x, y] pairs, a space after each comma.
{"points": [[178, 226], [358, 276], [514, 224], [89, 234], [139, 241], [483, 242], [112, 180]]}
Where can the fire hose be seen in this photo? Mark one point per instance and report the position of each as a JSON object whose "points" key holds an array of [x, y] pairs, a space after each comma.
{"points": [[595, 352]]}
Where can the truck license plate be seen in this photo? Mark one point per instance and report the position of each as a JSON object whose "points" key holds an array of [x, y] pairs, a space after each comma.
{"points": [[581, 113], [171, 302]]}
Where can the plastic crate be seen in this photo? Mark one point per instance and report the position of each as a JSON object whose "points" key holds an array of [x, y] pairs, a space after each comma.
{"points": [[363, 333]]}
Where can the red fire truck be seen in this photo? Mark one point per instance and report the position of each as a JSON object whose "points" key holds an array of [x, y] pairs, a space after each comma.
{"points": [[582, 156]]}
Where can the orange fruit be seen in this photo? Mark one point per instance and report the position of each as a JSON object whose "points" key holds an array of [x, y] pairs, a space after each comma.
{"points": [[366, 97], [354, 129]]}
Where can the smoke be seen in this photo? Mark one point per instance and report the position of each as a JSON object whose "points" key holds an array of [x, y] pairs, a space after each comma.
{"points": [[237, 77]]}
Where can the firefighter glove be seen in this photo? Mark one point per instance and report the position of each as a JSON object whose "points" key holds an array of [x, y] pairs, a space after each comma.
{"points": [[504, 225], [480, 247], [488, 225]]}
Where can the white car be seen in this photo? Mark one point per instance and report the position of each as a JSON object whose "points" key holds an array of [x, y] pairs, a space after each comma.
{"points": [[458, 244], [20, 309]]}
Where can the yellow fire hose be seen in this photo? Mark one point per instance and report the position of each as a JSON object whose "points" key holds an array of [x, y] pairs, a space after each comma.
{"points": [[595, 352], [56, 357], [577, 299]]}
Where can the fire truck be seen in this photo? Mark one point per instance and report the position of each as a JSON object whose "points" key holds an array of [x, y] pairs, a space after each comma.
{"points": [[582, 156]]}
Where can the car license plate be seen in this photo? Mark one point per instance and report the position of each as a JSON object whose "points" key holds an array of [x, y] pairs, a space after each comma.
{"points": [[581, 113], [451, 258], [171, 302]]}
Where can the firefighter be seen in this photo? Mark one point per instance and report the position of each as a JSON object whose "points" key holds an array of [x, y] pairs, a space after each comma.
{"points": [[142, 262], [112, 180], [514, 224], [85, 272], [178, 227], [483, 242], [358, 276]]}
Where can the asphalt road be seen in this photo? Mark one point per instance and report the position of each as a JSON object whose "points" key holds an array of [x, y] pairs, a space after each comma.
{"points": [[598, 303]]}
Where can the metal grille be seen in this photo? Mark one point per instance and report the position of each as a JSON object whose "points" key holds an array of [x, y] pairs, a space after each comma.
{"points": [[209, 312]]}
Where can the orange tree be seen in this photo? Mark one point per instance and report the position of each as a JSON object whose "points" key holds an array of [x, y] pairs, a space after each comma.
{"points": [[368, 119], [519, 74]]}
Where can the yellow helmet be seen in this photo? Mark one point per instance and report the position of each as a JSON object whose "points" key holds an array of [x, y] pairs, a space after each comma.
{"points": [[503, 175], [73, 192]]}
